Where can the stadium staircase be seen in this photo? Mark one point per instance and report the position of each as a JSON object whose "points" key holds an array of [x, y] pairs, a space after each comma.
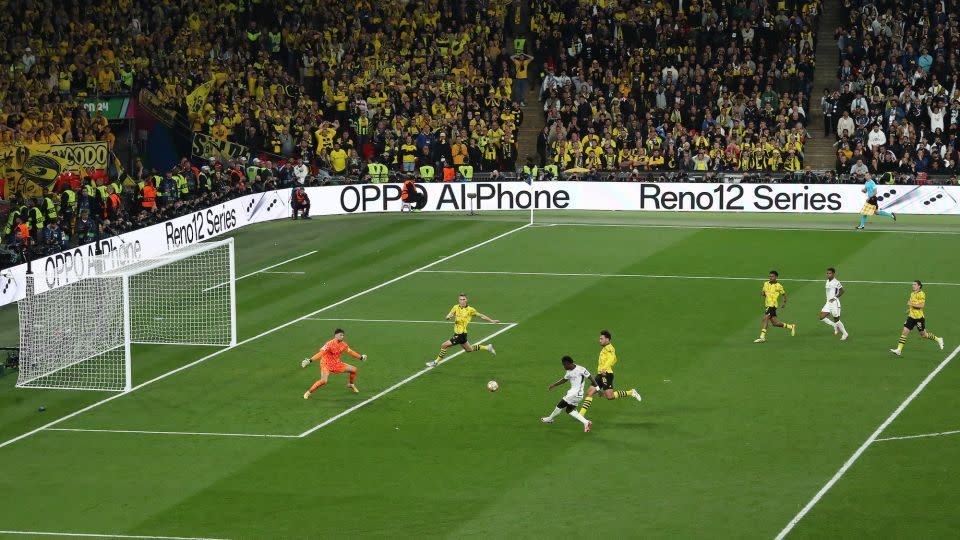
{"points": [[819, 152], [533, 120]]}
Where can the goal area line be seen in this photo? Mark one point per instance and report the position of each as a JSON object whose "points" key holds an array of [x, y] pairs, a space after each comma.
{"points": [[332, 419], [404, 321], [919, 436]]}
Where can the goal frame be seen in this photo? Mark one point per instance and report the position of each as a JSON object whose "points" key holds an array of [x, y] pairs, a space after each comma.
{"points": [[124, 269]]}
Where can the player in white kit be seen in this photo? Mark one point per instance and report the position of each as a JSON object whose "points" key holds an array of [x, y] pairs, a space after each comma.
{"points": [[577, 375], [834, 290]]}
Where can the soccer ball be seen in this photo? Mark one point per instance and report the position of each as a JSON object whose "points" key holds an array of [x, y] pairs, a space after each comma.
{"points": [[493, 386]]}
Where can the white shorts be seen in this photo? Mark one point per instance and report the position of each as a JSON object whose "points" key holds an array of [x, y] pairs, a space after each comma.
{"points": [[573, 399], [833, 308]]}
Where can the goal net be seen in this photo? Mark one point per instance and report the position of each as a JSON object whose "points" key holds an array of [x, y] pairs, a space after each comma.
{"points": [[78, 336]]}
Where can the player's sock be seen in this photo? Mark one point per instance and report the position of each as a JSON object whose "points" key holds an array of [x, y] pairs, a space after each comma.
{"points": [[863, 221], [901, 342], [840, 327], [622, 393], [884, 213], [787, 326], [763, 333], [353, 376], [480, 348], [587, 402], [316, 385], [579, 417], [930, 336], [556, 412], [829, 323], [443, 352]]}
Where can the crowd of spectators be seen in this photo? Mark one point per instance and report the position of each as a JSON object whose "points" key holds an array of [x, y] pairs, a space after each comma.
{"points": [[675, 85], [83, 210], [897, 108], [319, 88]]}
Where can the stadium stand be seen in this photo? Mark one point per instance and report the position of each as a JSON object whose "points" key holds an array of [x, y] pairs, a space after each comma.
{"points": [[897, 105], [676, 85], [308, 92]]}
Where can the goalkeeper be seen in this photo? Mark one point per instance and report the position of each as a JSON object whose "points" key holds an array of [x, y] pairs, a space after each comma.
{"points": [[329, 356]]}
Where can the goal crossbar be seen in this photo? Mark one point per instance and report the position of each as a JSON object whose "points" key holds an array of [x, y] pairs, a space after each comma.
{"points": [[128, 266]]}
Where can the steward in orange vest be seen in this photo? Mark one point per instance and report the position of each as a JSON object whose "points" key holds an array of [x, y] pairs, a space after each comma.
{"points": [[300, 203]]}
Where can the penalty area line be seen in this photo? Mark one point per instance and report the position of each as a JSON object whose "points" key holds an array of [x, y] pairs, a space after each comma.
{"points": [[95, 535], [261, 335], [386, 391], [863, 447]]}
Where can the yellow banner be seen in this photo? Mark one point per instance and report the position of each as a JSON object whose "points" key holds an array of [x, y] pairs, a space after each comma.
{"points": [[197, 98], [151, 102], [31, 170], [207, 147]]}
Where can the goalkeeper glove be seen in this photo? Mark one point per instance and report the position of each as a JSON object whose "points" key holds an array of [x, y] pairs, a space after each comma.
{"points": [[363, 358], [305, 363]]}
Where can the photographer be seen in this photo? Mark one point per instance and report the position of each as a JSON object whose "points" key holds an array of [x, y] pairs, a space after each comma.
{"points": [[53, 238], [86, 228]]}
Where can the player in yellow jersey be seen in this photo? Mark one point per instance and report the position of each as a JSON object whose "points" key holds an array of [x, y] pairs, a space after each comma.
{"points": [[462, 314], [916, 319], [604, 378], [771, 292]]}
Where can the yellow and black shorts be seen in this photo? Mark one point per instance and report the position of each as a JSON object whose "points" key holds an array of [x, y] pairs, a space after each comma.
{"points": [[605, 381]]}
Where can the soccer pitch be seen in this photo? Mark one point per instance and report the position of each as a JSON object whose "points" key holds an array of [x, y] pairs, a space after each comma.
{"points": [[732, 440]]}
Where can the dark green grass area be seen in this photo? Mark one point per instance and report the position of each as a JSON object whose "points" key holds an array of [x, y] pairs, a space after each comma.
{"points": [[731, 439]]}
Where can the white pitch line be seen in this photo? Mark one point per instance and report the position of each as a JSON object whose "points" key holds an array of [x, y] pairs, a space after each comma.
{"points": [[746, 228], [145, 432], [373, 398], [401, 321], [663, 276], [281, 272], [258, 336], [92, 535], [263, 270], [871, 439], [272, 266], [920, 436]]}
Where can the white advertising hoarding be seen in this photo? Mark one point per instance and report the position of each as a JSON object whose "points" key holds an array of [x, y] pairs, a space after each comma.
{"points": [[74, 264]]}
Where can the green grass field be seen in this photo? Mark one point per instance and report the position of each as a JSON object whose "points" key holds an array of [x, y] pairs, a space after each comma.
{"points": [[732, 438]]}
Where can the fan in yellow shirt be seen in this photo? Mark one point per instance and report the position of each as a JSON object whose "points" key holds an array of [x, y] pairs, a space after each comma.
{"points": [[338, 159], [916, 319], [771, 292], [608, 358]]}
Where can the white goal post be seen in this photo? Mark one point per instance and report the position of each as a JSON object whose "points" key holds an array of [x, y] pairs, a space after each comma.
{"points": [[78, 336]]}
